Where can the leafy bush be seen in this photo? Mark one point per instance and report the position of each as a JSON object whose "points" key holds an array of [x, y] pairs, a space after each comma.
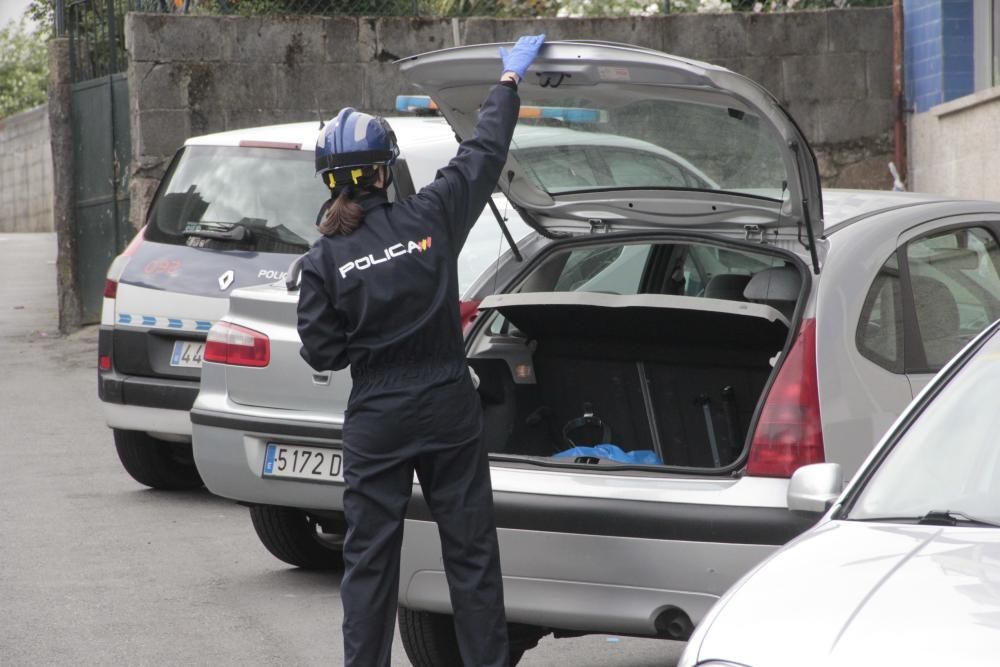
{"points": [[24, 67]]}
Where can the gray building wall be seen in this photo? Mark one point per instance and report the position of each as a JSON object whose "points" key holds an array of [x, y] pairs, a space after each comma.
{"points": [[953, 147], [26, 172], [190, 75]]}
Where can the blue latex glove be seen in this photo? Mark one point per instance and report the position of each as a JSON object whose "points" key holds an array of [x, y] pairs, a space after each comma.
{"points": [[517, 59]]}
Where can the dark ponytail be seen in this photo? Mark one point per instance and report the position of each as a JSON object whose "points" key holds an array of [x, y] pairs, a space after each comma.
{"points": [[344, 215]]}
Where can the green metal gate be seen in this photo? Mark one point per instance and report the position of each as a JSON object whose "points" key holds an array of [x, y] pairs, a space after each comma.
{"points": [[101, 156], [102, 149]]}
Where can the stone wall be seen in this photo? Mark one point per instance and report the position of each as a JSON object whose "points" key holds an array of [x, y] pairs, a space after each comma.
{"points": [[191, 75], [26, 172], [953, 147]]}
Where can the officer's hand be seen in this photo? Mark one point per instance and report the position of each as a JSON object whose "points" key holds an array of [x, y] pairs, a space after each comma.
{"points": [[517, 59]]}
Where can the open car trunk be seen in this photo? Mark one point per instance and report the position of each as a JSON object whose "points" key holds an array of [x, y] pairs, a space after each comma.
{"points": [[671, 380]]}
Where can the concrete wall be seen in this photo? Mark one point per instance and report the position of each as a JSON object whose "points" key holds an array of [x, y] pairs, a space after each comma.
{"points": [[953, 147], [26, 172], [190, 75]]}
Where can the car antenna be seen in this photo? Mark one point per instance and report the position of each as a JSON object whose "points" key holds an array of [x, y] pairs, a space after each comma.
{"points": [[319, 114]]}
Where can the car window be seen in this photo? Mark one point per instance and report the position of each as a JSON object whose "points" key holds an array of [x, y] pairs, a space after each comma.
{"points": [[948, 458], [559, 168], [615, 269], [485, 243], [880, 328], [269, 191], [643, 170], [956, 287], [716, 146]]}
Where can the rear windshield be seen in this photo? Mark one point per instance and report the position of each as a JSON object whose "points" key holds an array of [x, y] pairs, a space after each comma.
{"points": [[274, 194], [270, 192], [578, 144]]}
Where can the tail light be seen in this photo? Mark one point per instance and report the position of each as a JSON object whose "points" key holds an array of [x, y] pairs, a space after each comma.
{"points": [[118, 265], [237, 346], [789, 433], [468, 311]]}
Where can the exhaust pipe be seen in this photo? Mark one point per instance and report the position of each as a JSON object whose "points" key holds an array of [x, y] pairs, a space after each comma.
{"points": [[673, 623]]}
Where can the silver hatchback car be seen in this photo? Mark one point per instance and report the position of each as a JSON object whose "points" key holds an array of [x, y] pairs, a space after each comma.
{"points": [[652, 378]]}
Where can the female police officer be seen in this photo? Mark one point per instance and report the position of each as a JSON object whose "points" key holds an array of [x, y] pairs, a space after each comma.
{"points": [[379, 292]]}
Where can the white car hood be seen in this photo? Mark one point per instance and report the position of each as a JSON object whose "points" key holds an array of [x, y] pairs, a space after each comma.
{"points": [[849, 594]]}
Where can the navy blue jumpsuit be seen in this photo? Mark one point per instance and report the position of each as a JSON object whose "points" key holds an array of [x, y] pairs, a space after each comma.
{"points": [[384, 300]]}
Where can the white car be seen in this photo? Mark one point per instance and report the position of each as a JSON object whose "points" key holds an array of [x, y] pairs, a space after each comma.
{"points": [[905, 567], [234, 209]]}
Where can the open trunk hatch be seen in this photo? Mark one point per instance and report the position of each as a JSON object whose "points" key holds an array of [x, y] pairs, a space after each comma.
{"points": [[661, 347], [621, 134]]}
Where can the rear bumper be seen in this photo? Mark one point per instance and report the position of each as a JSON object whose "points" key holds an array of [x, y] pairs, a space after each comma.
{"points": [[610, 555], [586, 583], [229, 453], [147, 392], [141, 390], [157, 421]]}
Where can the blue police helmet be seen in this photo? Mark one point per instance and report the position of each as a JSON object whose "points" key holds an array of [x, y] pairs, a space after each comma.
{"points": [[355, 139]]}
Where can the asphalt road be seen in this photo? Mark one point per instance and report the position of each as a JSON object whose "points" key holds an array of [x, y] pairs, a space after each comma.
{"points": [[96, 569]]}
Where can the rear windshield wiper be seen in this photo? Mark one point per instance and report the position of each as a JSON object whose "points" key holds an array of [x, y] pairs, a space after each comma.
{"points": [[228, 231], [933, 518]]}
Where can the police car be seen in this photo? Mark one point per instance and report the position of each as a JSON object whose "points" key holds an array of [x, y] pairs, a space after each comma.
{"points": [[234, 209]]}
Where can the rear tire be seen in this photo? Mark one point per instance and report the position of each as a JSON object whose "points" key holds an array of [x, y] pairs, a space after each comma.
{"points": [[429, 639], [156, 463], [291, 536]]}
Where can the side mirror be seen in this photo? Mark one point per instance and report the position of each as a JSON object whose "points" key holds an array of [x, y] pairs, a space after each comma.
{"points": [[813, 488]]}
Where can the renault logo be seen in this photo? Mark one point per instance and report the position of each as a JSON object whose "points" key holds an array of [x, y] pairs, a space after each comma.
{"points": [[226, 279]]}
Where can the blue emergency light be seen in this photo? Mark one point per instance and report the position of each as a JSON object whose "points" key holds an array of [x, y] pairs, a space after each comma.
{"points": [[422, 103], [414, 103]]}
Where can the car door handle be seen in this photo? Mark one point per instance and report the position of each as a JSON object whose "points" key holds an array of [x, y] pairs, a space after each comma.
{"points": [[321, 378]]}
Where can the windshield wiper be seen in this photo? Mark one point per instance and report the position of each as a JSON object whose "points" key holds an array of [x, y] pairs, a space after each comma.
{"points": [[952, 518], [228, 231], [932, 518]]}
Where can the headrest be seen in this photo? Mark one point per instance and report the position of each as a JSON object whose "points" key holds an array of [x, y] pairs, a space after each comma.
{"points": [[727, 286], [777, 284], [937, 310]]}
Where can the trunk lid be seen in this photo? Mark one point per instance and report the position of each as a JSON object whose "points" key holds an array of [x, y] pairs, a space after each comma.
{"points": [[287, 382], [615, 135]]}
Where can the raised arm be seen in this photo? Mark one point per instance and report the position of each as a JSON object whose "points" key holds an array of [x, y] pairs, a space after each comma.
{"points": [[464, 185]]}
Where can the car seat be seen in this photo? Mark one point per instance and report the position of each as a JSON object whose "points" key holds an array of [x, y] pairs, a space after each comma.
{"points": [[937, 319], [777, 287], [727, 286]]}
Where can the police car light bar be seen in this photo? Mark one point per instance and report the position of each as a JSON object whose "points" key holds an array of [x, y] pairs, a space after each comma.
{"points": [[565, 114], [414, 103], [419, 103]]}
